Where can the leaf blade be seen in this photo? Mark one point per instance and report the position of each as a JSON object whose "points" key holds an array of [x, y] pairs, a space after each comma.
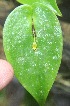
{"points": [[33, 68]]}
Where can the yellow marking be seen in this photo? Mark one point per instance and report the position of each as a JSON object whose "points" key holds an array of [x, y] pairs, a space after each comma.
{"points": [[34, 44]]}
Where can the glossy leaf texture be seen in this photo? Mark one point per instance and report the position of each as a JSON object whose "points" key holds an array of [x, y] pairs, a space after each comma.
{"points": [[49, 3], [35, 69]]}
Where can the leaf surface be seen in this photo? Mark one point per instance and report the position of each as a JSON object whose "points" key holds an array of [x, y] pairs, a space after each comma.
{"points": [[49, 3], [35, 69]]}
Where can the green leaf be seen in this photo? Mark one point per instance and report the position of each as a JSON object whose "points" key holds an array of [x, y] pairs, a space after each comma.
{"points": [[53, 6], [49, 3], [35, 69], [30, 2]]}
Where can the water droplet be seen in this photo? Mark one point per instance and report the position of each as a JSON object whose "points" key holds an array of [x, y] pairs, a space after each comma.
{"points": [[36, 93], [41, 77], [46, 64], [32, 85], [20, 74], [52, 69], [57, 49], [55, 57], [41, 92]]}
